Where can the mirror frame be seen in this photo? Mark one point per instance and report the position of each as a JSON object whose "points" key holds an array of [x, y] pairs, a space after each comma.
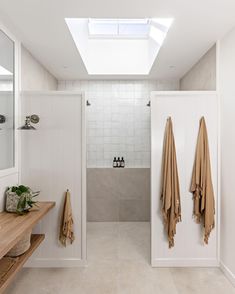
{"points": [[16, 87]]}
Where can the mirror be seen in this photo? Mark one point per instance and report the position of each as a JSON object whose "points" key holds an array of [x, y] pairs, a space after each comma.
{"points": [[7, 129]]}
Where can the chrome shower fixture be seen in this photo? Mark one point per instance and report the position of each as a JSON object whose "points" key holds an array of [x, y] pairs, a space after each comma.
{"points": [[34, 118], [2, 119]]}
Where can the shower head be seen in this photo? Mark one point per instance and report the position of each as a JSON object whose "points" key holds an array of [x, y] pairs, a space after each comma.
{"points": [[28, 120]]}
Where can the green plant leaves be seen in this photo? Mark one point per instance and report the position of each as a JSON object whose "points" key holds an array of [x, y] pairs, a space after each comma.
{"points": [[20, 189], [26, 196]]}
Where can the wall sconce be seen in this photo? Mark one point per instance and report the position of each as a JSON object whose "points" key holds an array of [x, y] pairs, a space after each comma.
{"points": [[34, 118], [2, 119]]}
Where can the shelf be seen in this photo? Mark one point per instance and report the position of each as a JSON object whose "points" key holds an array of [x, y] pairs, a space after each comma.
{"points": [[13, 226], [16, 263]]}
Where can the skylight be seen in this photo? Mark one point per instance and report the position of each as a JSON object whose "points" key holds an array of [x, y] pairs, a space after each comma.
{"points": [[118, 46], [114, 28]]}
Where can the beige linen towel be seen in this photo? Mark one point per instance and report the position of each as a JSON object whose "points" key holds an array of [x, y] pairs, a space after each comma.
{"points": [[201, 184], [66, 228], [170, 194]]}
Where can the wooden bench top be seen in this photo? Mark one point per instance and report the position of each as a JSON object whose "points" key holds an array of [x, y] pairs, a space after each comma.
{"points": [[13, 226]]}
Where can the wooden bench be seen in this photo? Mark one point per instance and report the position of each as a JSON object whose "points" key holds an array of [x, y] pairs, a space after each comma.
{"points": [[12, 229]]}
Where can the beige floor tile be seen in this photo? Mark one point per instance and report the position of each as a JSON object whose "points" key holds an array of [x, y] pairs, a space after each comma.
{"points": [[201, 280], [134, 241], [98, 277], [139, 277], [102, 241], [38, 281]]}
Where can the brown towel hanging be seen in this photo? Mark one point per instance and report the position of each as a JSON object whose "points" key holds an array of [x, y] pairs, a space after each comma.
{"points": [[66, 228], [170, 194], [201, 185]]}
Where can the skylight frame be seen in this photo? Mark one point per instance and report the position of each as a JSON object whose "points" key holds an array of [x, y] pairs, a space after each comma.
{"points": [[125, 55]]}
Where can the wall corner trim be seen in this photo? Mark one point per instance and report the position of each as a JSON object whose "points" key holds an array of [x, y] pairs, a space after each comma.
{"points": [[228, 273]]}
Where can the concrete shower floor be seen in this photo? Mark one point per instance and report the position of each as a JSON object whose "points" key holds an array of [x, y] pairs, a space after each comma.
{"points": [[118, 263]]}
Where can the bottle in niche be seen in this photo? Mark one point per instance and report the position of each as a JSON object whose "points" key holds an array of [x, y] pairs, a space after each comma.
{"points": [[118, 162], [122, 162], [114, 162]]}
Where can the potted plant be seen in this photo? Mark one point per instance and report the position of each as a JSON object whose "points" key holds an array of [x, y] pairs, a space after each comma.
{"points": [[20, 199]]}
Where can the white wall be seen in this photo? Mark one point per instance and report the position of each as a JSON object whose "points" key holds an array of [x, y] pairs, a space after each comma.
{"points": [[186, 109], [227, 93], [202, 75], [118, 120], [34, 76], [51, 161]]}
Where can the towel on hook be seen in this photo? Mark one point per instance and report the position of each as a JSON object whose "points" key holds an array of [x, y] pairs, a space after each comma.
{"points": [[170, 193], [66, 227], [201, 184]]}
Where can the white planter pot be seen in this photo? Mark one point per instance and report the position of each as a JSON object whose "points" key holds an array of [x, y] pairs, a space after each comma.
{"points": [[12, 200]]}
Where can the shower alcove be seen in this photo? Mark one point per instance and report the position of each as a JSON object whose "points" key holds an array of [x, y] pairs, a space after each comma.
{"points": [[113, 208]]}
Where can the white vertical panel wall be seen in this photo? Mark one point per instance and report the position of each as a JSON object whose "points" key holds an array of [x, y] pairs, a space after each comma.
{"points": [[186, 109], [53, 158], [226, 85]]}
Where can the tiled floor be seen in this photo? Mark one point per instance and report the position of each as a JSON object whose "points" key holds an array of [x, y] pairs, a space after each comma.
{"points": [[118, 263]]}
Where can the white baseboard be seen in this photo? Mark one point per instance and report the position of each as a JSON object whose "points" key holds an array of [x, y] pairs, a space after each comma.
{"points": [[50, 262], [230, 276], [191, 262]]}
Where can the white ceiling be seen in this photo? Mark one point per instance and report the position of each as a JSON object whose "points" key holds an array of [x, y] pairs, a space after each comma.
{"points": [[40, 25]]}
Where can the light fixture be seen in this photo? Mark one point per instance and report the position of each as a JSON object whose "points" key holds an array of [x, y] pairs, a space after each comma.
{"points": [[2, 119], [34, 118]]}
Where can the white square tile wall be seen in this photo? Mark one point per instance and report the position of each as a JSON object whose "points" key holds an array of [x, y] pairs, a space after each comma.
{"points": [[118, 120]]}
